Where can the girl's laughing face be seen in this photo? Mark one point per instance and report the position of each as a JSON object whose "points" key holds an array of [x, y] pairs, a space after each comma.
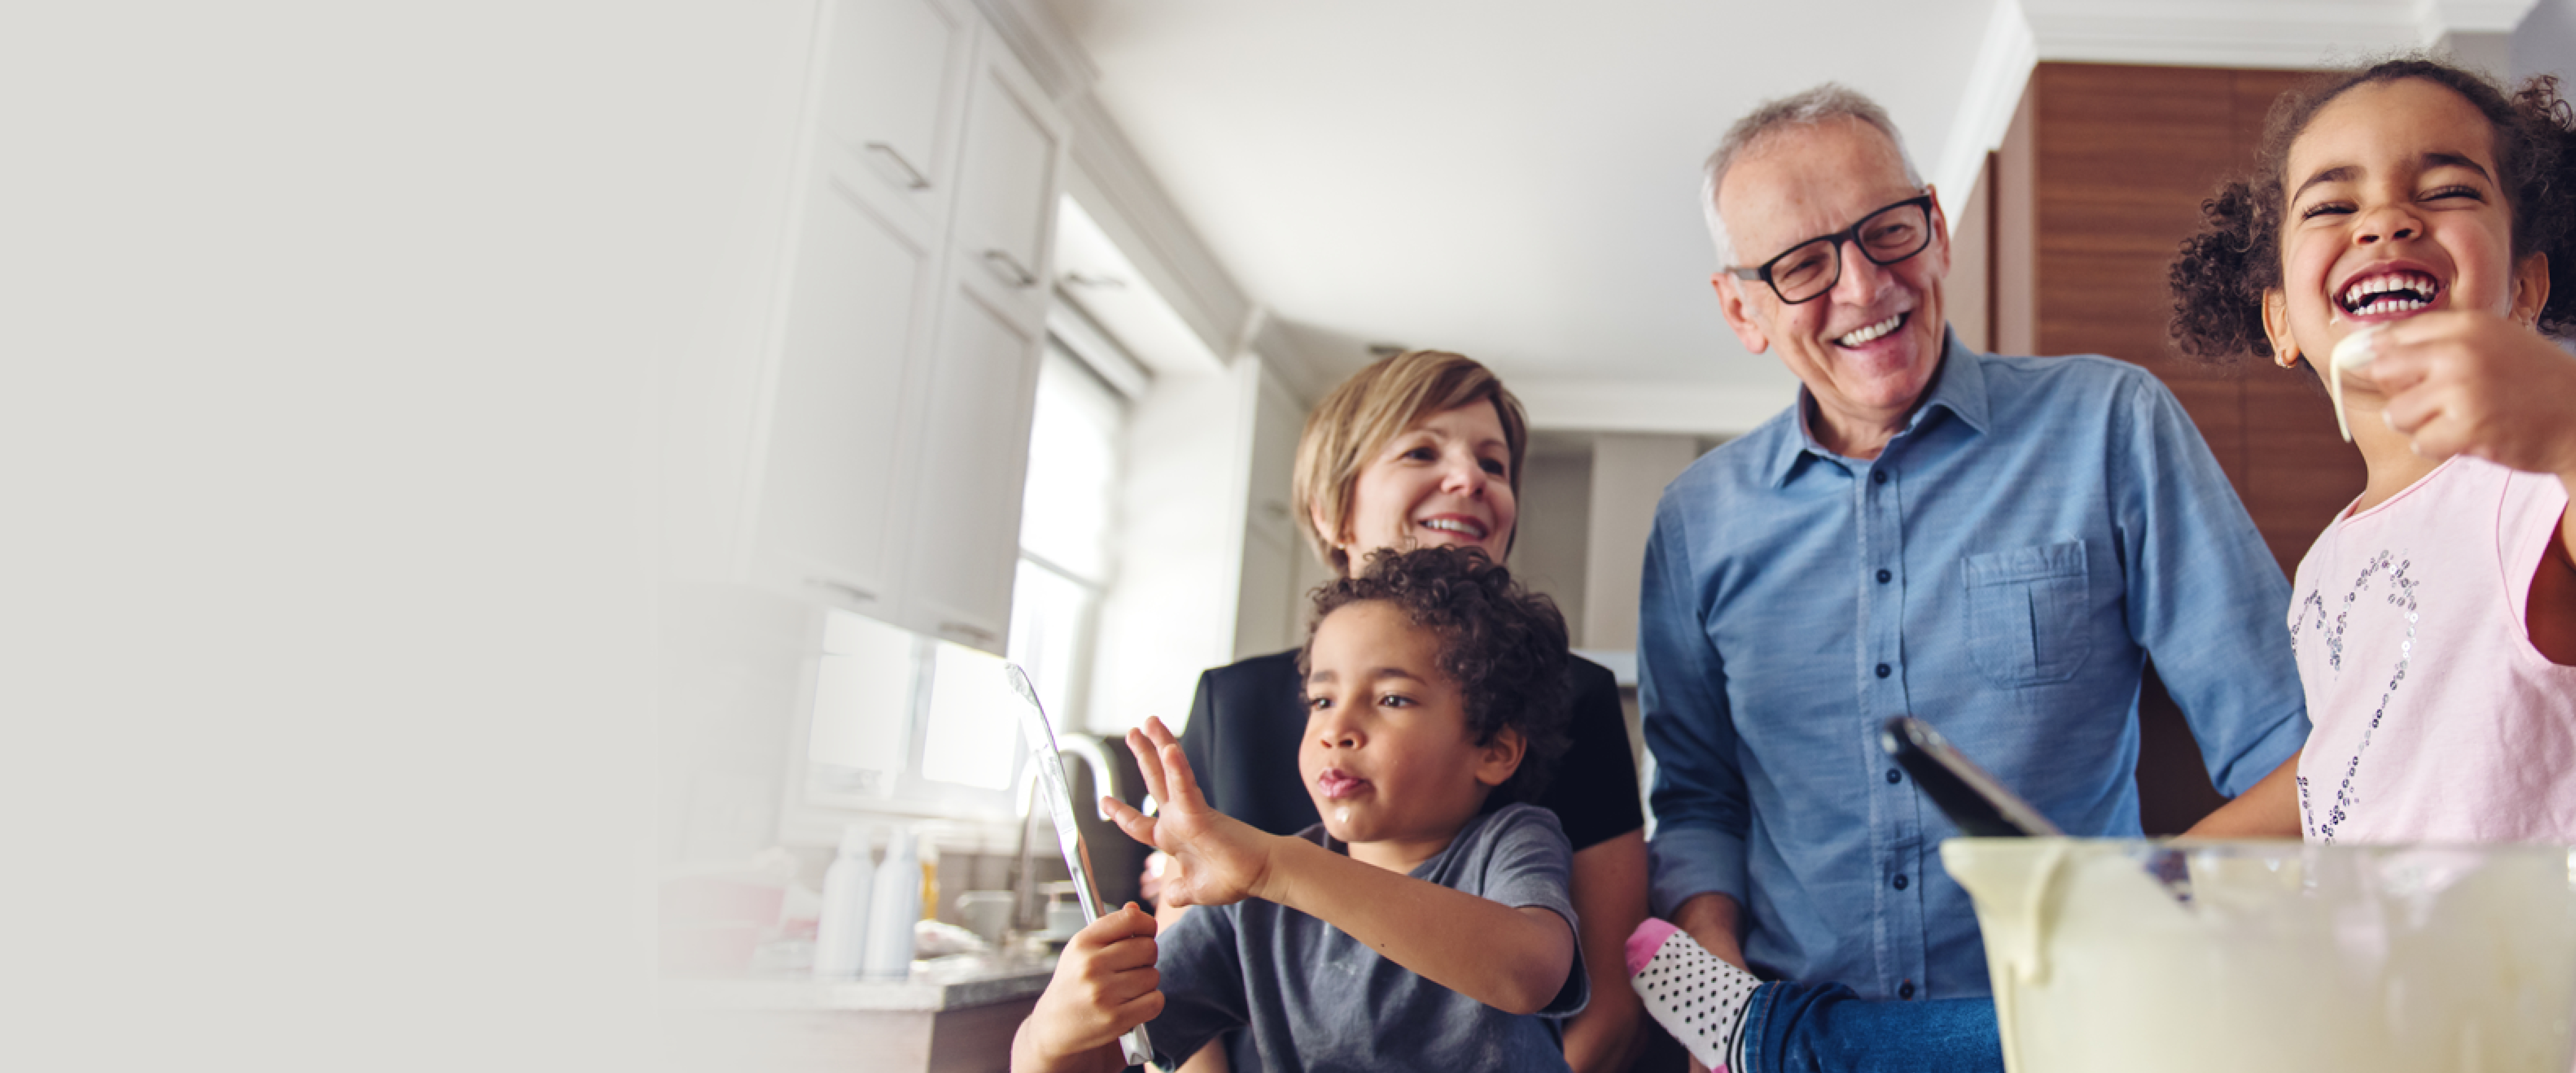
{"points": [[2395, 208]]}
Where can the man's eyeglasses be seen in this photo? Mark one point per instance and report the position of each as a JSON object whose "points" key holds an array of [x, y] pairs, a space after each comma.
{"points": [[1812, 267]]}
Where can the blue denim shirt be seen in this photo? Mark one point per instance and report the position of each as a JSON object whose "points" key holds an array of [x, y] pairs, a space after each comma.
{"points": [[2001, 570]]}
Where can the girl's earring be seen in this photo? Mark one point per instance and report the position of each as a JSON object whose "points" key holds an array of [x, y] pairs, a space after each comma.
{"points": [[2287, 359]]}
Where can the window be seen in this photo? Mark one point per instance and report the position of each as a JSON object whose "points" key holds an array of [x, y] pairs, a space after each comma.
{"points": [[913, 719], [1067, 535], [923, 725]]}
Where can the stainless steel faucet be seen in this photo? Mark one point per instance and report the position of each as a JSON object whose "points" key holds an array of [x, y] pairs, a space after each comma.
{"points": [[1094, 754]]}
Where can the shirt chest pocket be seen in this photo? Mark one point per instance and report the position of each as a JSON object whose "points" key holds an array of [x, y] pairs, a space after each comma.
{"points": [[2026, 614]]}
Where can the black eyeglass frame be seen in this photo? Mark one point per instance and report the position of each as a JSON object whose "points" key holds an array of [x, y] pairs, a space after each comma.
{"points": [[1834, 244]]}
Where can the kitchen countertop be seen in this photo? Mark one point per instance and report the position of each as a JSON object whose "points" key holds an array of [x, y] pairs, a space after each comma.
{"points": [[947, 983]]}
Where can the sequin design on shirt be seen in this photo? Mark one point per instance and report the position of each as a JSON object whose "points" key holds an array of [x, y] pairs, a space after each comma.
{"points": [[2401, 594]]}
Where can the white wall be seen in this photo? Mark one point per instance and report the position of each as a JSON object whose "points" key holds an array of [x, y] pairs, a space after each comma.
{"points": [[1171, 613], [2545, 43], [1554, 531], [1629, 473], [331, 415]]}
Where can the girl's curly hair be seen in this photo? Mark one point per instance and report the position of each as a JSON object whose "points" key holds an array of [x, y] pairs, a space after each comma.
{"points": [[2219, 275], [1504, 646]]}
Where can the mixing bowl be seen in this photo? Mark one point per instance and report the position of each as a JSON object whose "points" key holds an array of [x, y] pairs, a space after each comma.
{"points": [[2111, 955]]}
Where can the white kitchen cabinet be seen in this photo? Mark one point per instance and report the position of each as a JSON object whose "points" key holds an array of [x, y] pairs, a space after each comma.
{"points": [[891, 86], [858, 296], [974, 444], [1007, 194], [910, 325], [965, 517]]}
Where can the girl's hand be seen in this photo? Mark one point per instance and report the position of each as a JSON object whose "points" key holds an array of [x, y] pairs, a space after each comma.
{"points": [[2463, 382], [1214, 859], [1105, 983]]}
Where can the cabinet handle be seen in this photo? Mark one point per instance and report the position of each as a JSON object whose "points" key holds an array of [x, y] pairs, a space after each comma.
{"points": [[1009, 268], [842, 587], [919, 181], [961, 629]]}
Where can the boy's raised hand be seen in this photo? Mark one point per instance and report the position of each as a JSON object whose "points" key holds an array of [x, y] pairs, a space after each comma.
{"points": [[1215, 858], [1105, 983], [2469, 382]]}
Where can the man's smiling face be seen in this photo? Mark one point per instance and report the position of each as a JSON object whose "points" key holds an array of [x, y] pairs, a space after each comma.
{"points": [[1868, 348]]}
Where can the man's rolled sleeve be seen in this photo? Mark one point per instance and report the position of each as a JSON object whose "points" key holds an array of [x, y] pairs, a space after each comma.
{"points": [[2205, 598], [1701, 812]]}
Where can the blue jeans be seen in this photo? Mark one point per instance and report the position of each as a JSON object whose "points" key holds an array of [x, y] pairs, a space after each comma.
{"points": [[1824, 1028]]}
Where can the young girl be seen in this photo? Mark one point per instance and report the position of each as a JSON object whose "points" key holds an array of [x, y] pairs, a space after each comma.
{"points": [[2421, 223]]}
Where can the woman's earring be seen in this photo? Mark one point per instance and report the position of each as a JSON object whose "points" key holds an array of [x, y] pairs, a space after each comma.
{"points": [[2287, 359]]}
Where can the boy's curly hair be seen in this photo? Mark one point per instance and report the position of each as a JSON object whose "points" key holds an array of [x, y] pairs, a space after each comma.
{"points": [[1504, 646], [2219, 275]]}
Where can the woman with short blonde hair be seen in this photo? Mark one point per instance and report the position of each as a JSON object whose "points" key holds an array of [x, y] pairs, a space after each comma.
{"points": [[1375, 406]]}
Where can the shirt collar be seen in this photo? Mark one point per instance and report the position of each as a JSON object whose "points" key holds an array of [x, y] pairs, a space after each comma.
{"points": [[1959, 388]]}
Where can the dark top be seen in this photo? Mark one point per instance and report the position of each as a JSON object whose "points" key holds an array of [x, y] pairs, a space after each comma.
{"points": [[1315, 999], [1243, 733]]}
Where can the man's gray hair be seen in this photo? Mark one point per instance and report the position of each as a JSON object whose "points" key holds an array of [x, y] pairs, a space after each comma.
{"points": [[1805, 108]]}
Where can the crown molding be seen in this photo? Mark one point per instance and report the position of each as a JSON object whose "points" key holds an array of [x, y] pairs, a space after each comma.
{"points": [[2474, 16], [1650, 407], [2295, 34], [2005, 57], [1114, 184], [1043, 44], [1122, 195], [2291, 34]]}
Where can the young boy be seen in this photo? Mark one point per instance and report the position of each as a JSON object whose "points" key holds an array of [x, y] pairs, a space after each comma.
{"points": [[1416, 927]]}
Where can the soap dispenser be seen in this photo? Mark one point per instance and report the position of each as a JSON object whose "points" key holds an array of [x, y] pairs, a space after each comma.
{"points": [[840, 937], [893, 908]]}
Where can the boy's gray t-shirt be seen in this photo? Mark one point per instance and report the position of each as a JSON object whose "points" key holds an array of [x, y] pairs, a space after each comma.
{"points": [[1315, 999]]}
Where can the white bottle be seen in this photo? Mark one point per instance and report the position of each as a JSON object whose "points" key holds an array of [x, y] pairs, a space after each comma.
{"points": [[841, 936], [894, 908]]}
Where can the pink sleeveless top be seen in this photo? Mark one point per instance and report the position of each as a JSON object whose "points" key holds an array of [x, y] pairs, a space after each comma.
{"points": [[2436, 720]]}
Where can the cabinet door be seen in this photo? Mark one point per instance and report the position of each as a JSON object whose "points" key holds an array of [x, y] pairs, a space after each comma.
{"points": [[1007, 190], [974, 452], [858, 292], [893, 81]]}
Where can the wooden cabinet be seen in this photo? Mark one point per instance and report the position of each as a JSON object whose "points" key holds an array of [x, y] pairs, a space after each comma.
{"points": [[909, 323], [2119, 160]]}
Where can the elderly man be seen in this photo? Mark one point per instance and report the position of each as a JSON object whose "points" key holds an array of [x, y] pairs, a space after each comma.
{"points": [[1993, 544]]}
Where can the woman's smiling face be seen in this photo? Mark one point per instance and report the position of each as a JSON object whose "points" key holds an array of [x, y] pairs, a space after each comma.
{"points": [[2394, 210], [1444, 481]]}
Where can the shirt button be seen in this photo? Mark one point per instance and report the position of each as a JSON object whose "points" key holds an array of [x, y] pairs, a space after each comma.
{"points": [[1900, 881], [1883, 577], [1893, 777], [1884, 670], [1905, 990], [1878, 476]]}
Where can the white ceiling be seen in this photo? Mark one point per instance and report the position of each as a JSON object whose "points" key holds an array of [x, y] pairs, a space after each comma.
{"points": [[1518, 180], [1514, 181]]}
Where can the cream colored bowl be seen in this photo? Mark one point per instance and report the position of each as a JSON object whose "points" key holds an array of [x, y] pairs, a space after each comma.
{"points": [[2283, 957]]}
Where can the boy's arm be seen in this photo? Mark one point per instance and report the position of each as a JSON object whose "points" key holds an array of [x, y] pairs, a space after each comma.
{"points": [[1514, 959], [2269, 809], [1105, 983]]}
